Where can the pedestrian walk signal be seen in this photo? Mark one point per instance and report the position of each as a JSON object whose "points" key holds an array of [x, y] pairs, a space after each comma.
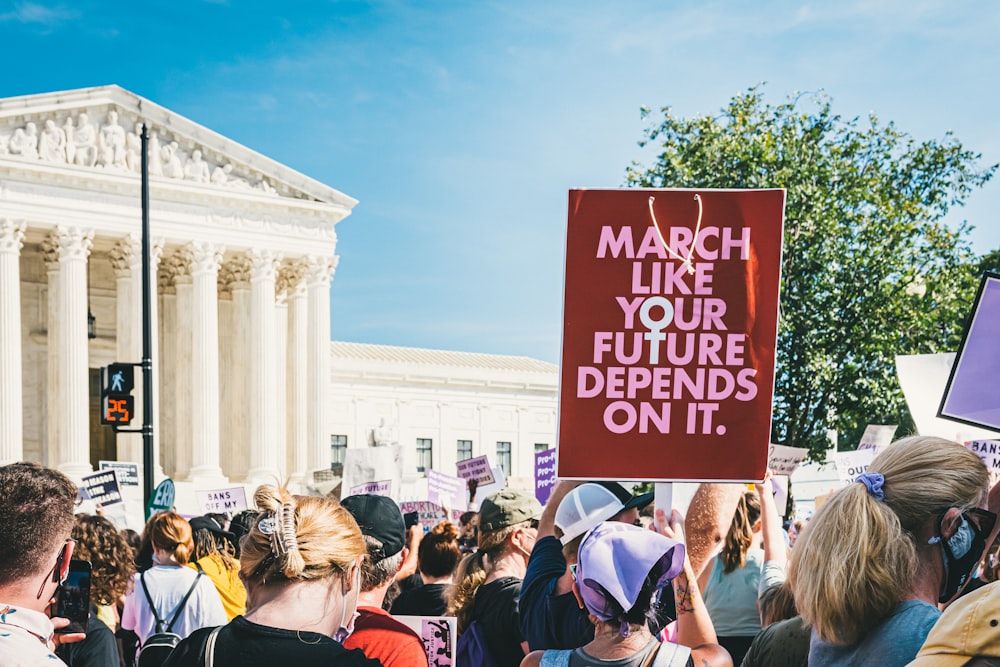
{"points": [[117, 402]]}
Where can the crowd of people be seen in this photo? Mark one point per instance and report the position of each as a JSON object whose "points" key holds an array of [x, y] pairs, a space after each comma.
{"points": [[898, 568]]}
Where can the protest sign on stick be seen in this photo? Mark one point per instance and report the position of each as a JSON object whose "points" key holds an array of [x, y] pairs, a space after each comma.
{"points": [[783, 460], [851, 464], [545, 474], [447, 490], [438, 634], [477, 468], [222, 501], [670, 329], [989, 452], [877, 436], [365, 465], [970, 396], [102, 487]]}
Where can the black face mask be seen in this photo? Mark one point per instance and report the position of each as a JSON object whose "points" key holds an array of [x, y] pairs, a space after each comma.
{"points": [[960, 555]]}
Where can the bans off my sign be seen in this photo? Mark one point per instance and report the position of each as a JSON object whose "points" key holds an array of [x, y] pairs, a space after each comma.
{"points": [[669, 333]]}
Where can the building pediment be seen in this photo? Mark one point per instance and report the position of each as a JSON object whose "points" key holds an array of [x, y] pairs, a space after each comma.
{"points": [[97, 130]]}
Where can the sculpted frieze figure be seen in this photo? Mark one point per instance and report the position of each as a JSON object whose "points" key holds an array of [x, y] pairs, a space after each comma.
{"points": [[25, 142], [155, 154], [172, 167], [84, 142], [111, 142], [52, 144], [68, 130], [196, 168], [133, 149]]}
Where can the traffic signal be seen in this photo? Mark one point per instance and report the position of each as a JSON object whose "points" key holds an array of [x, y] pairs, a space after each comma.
{"points": [[117, 402]]}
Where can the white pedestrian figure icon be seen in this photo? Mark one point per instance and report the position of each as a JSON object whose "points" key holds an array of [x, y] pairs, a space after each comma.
{"points": [[118, 381]]}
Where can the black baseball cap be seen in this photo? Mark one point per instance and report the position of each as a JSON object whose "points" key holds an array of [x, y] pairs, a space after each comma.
{"points": [[628, 500], [381, 518]]}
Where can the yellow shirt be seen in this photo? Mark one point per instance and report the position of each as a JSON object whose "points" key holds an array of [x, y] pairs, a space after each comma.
{"points": [[227, 582]]}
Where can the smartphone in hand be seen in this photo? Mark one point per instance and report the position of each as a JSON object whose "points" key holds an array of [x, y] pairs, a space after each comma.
{"points": [[73, 598]]}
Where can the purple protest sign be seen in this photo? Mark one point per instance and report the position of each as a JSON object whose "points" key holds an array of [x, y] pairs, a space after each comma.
{"points": [[970, 397], [446, 490], [383, 488], [545, 474]]}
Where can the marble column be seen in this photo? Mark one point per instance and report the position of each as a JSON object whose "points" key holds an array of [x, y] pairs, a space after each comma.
{"points": [[264, 454], [11, 412], [167, 362], [297, 364], [237, 275], [126, 260], [183, 385], [74, 383], [318, 277], [281, 372], [50, 253], [204, 376]]}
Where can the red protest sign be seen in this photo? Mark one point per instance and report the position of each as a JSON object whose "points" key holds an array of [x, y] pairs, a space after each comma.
{"points": [[670, 328]]}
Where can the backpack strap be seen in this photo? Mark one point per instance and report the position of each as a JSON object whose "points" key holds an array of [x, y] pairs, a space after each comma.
{"points": [[210, 647], [177, 612], [668, 654], [149, 599]]}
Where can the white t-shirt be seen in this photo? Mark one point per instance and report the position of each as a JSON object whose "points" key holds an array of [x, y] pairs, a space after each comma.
{"points": [[167, 586], [23, 636]]}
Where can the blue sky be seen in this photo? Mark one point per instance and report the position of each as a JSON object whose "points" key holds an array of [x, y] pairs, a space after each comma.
{"points": [[460, 125]]}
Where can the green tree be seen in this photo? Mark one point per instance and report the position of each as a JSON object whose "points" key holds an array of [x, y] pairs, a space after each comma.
{"points": [[869, 269]]}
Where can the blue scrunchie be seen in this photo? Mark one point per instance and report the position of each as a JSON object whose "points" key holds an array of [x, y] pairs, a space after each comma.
{"points": [[873, 481]]}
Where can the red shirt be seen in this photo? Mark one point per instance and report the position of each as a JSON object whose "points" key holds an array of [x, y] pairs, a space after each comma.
{"points": [[381, 636]]}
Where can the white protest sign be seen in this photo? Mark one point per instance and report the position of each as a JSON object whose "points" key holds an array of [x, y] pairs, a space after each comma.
{"points": [[383, 488], [922, 378], [438, 634], [784, 460], [222, 501], [477, 468], [102, 487], [989, 452], [877, 436], [851, 464], [372, 464], [499, 484]]}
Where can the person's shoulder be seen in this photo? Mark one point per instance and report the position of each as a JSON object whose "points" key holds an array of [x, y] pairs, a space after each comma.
{"points": [[190, 650]]}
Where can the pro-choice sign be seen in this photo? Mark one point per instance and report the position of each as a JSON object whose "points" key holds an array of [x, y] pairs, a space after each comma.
{"points": [[670, 327]]}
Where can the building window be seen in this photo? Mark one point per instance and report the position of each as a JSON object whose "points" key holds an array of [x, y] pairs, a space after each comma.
{"points": [[425, 458], [338, 445], [541, 447], [503, 457], [464, 450]]}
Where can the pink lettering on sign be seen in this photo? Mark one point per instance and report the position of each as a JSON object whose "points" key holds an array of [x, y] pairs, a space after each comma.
{"points": [[670, 329]]}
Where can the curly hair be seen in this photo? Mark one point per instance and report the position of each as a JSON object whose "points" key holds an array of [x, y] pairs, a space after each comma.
{"points": [[110, 556], [438, 552]]}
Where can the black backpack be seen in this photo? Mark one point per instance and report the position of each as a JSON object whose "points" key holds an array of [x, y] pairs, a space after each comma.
{"points": [[158, 646]]}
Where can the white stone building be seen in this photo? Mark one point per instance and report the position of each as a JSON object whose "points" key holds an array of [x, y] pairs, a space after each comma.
{"points": [[244, 253]]}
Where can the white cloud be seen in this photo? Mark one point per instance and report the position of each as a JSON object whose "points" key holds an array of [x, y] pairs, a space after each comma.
{"points": [[38, 14]]}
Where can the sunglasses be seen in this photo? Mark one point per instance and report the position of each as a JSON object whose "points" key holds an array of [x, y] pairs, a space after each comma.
{"points": [[61, 569]]}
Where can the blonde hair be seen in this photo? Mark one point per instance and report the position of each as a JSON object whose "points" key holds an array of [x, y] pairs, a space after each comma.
{"points": [[740, 535], [857, 557], [473, 570], [299, 538], [170, 532]]}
